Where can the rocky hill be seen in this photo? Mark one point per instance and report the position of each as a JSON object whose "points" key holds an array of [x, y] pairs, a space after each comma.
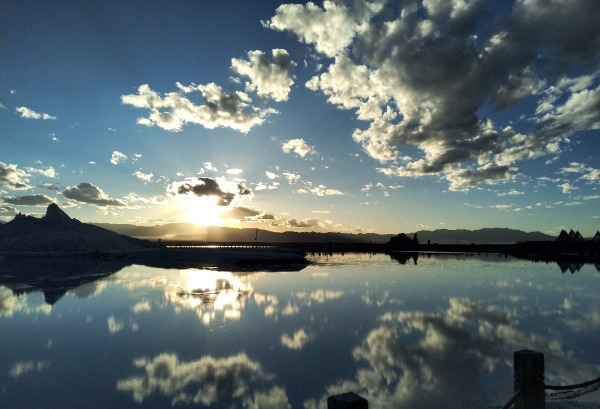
{"points": [[56, 231]]}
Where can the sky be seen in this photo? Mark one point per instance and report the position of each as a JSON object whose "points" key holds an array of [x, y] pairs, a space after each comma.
{"points": [[348, 116]]}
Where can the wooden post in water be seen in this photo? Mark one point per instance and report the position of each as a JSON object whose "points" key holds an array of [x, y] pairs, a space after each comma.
{"points": [[529, 379], [348, 400]]}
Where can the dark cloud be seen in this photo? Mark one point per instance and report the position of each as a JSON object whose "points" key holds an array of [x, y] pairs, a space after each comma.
{"points": [[50, 186], [88, 193], [431, 74], [210, 187], [13, 178], [248, 214], [302, 223], [28, 200], [7, 211]]}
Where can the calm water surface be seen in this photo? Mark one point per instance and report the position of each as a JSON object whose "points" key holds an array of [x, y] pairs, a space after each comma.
{"points": [[437, 332]]}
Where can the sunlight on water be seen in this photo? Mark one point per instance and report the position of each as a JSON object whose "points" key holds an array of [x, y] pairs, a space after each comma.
{"points": [[407, 331]]}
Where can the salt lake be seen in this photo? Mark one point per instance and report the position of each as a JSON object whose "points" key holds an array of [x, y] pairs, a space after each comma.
{"points": [[409, 331]]}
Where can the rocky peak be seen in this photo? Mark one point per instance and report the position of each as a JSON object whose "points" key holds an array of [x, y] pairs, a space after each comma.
{"points": [[55, 214]]}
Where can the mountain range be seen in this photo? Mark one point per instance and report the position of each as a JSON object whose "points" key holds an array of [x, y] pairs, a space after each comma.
{"points": [[57, 232], [192, 232]]}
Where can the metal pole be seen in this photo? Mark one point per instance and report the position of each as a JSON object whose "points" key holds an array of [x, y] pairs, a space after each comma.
{"points": [[529, 379]]}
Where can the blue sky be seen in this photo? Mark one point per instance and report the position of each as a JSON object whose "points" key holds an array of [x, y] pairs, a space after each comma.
{"points": [[351, 116]]}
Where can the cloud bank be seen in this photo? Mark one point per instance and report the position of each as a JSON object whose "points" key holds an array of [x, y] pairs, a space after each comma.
{"points": [[428, 74]]}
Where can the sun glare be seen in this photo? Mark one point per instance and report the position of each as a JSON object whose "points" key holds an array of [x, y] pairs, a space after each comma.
{"points": [[202, 211]]}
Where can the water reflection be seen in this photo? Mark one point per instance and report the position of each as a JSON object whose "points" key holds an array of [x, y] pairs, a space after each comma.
{"points": [[438, 335], [432, 360], [205, 381], [404, 257], [209, 292], [55, 276]]}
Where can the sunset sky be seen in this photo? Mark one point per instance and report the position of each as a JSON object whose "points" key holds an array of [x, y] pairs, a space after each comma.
{"points": [[350, 116]]}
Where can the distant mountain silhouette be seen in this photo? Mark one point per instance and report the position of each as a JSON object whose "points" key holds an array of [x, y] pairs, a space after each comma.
{"points": [[482, 236], [56, 231], [192, 232]]}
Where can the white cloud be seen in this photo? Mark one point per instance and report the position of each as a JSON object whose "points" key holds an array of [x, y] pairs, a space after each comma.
{"points": [[210, 167], [219, 109], [48, 172], [587, 172], [146, 177], [298, 146], [512, 192], [234, 171], [330, 29], [291, 177], [117, 157], [567, 188], [268, 80], [31, 114], [322, 190], [271, 175]]}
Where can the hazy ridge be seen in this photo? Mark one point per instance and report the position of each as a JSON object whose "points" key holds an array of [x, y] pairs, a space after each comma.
{"points": [[192, 232]]}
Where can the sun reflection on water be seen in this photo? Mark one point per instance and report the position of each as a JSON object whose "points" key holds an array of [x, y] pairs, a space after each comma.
{"points": [[210, 293]]}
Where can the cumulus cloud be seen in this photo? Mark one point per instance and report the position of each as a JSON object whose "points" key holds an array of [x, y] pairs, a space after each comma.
{"points": [[330, 29], [291, 177], [298, 146], [146, 177], [587, 172], [87, 193], [424, 74], [29, 200], [117, 157], [48, 172], [31, 114], [322, 190], [205, 381], [266, 79], [567, 188], [219, 108], [225, 192], [13, 178]]}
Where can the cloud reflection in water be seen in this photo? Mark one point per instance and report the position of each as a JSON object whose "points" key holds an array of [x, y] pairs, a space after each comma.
{"points": [[432, 360], [205, 381]]}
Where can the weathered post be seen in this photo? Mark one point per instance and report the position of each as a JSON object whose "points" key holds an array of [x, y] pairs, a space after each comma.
{"points": [[529, 379], [348, 400]]}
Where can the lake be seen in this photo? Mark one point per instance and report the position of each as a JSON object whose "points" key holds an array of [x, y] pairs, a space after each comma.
{"points": [[435, 331]]}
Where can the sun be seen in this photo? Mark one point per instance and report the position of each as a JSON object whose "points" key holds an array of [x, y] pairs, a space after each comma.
{"points": [[203, 211]]}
